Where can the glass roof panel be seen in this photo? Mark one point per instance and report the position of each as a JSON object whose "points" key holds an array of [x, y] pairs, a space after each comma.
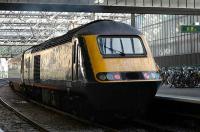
{"points": [[21, 29]]}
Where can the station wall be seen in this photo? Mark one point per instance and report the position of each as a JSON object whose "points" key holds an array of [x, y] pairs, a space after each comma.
{"points": [[179, 60], [169, 45]]}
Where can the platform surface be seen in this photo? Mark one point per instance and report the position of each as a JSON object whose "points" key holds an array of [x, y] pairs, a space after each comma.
{"points": [[180, 94]]}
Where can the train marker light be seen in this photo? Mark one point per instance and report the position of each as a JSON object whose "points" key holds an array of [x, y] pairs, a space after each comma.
{"points": [[158, 76], [146, 75], [117, 76], [153, 75]]}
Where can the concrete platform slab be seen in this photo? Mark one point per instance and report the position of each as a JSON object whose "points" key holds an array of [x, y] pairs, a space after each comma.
{"points": [[191, 95]]}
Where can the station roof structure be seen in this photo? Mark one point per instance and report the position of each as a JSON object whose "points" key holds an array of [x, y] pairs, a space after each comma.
{"points": [[20, 30], [24, 23], [105, 6]]}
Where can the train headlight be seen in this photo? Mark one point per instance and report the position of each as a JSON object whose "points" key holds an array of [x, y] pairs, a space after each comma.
{"points": [[101, 76], [158, 76], [155, 75], [151, 75], [109, 76]]}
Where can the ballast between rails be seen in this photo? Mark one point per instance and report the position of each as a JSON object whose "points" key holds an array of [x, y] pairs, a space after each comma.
{"points": [[67, 114], [36, 125]]}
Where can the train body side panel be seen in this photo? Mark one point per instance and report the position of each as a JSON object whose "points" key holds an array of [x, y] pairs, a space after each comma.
{"points": [[56, 63], [123, 64], [55, 67]]}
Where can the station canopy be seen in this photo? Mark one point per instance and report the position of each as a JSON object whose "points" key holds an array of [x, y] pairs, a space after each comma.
{"points": [[24, 23], [20, 30]]}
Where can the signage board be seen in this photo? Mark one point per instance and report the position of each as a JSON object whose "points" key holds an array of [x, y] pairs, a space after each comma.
{"points": [[190, 28]]}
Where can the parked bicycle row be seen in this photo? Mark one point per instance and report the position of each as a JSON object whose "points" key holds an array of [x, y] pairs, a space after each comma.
{"points": [[181, 77]]}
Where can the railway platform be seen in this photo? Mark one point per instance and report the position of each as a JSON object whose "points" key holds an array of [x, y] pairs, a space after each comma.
{"points": [[189, 95], [180, 101]]}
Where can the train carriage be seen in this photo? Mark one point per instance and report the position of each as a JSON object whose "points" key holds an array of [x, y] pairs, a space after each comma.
{"points": [[107, 63]]}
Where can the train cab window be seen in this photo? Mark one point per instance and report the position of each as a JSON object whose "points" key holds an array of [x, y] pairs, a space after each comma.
{"points": [[115, 44], [108, 43], [126, 45], [137, 46]]}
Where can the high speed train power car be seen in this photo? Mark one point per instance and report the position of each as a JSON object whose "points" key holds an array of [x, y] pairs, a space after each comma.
{"points": [[105, 63]]}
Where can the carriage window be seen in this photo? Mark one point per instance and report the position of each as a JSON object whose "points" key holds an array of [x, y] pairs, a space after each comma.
{"points": [[111, 45]]}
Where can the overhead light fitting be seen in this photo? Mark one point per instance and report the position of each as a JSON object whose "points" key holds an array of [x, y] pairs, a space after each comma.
{"points": [[99, 1]]}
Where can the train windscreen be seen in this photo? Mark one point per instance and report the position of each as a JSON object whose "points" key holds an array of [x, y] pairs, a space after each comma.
{"points": [[114, 45]]}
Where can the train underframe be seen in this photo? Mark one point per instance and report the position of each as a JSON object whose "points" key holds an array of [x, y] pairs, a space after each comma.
{"points": [[131, 98]]}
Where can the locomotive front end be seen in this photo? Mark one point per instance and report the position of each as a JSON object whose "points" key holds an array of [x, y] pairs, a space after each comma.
{"points": [[126, 76]]}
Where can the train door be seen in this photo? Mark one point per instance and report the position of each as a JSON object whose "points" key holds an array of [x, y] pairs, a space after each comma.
{"points": [[29, 69], [36, 74], [74, 62], [22, 68], [77, 76]]}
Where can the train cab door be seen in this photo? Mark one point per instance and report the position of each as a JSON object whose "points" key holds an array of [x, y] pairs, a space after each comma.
{"points": [[75, 61]]}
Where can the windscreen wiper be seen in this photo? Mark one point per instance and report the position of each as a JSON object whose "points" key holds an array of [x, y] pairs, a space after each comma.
{"points": [[120, 53]]}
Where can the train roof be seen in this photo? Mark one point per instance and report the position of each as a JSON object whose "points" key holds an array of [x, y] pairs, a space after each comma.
{"points": [[98, 27]]}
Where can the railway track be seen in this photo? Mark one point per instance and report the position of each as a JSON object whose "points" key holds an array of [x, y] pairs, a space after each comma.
{"points": [[106, 128], [116, 125], [61, 113], [22, 116], [4, 82], [138, 125], [135, 124]]}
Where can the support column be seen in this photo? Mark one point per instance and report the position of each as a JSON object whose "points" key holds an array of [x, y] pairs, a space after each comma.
{"points": [[133, 20], [93, 16]]}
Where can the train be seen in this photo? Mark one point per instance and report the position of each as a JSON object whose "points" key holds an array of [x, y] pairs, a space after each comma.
{"points": [[104, 65]]}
